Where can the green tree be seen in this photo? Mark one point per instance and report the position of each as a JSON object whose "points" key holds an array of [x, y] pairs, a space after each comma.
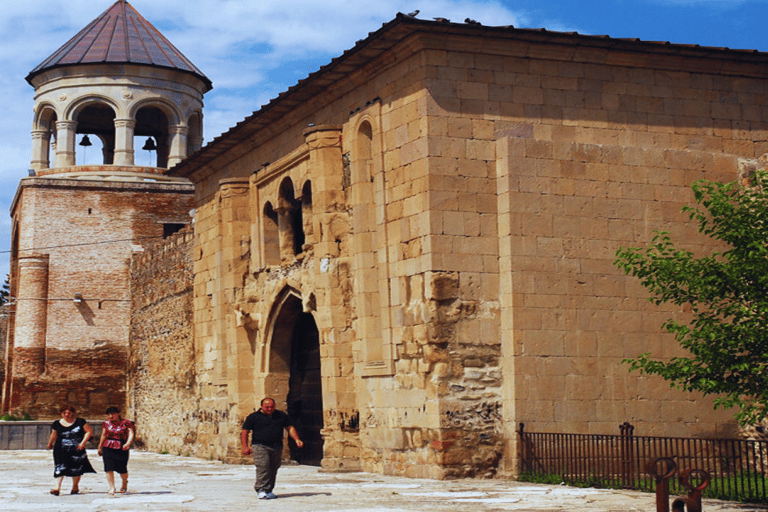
{"points": [[727, 335], [5, 290]]}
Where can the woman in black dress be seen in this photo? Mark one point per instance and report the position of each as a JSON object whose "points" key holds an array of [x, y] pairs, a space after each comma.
{"points": [[68, 438]]}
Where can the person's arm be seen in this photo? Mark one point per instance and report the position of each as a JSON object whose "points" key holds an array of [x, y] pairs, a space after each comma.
{"points": [[86, 437], [131, 436], [244, 442], [52, 439], [294, 435], [102, 438]]}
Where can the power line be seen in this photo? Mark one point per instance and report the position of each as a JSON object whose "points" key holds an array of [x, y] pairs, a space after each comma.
{"points": [[85, 243]]}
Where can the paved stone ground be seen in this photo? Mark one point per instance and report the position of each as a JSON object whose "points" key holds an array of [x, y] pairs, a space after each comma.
{"points": [[171, 483]]}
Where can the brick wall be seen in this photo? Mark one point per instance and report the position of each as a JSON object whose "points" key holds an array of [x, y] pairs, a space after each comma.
{"points": [[76, 237], [162, 390]]}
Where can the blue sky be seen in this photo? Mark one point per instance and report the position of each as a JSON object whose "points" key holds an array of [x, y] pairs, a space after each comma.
{"points": [[252, 50]]}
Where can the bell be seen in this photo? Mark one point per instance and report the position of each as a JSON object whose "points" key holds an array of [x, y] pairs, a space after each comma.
{"points": [[150, 144], [86, 141]]}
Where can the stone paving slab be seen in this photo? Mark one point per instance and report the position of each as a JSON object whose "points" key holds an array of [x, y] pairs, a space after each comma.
{"points": [[172, 483]]}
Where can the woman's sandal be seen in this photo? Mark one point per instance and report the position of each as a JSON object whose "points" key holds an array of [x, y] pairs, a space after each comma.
{"points": [[55, 492], [123, 490]]}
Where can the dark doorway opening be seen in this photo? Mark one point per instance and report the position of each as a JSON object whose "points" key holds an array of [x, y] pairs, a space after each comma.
{"points": [[305, 398]]}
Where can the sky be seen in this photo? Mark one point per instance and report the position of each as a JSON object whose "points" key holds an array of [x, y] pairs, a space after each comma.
{"points": [[253, 50]]}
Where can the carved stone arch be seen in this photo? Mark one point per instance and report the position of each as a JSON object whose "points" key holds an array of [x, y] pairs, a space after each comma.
{"points": [[170, 110], [75, 107], [293, 371], [45, 113], [278, 326]]}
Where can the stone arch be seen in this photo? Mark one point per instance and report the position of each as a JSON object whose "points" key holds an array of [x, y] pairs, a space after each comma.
{"points": [[293, 374], [170, 110], [362, 168], [271, 235], [153, 122], [75, 107], [364, 242], [291, 228], [43, 135], [92, 115]]}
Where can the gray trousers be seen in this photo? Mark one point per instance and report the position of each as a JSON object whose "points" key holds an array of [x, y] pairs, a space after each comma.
{"points": [[267, 462]]}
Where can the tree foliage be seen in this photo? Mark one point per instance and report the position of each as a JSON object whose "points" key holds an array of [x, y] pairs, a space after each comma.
{"points": [[727, 336], [5, 291]]}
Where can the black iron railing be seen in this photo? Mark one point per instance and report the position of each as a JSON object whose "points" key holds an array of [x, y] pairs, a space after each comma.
{"points": [[737, 467]]}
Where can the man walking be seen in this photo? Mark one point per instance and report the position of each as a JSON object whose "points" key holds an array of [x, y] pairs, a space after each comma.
{"points": [[267, 425]]}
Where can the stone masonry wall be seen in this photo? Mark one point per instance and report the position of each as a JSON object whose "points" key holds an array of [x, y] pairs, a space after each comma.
{"points": [[162, 391]]}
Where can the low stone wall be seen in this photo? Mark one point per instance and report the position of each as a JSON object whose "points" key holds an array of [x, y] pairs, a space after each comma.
{"points": [[162, 390]]}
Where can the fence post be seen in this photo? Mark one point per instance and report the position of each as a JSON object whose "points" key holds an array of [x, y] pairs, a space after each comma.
{"points": [[522, 451], [627, 454]]}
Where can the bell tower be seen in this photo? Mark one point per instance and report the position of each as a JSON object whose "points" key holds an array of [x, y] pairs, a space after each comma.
{"points": [[117, 79], [117, 84]]}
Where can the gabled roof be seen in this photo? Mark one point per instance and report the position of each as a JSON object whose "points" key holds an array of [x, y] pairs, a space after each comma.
{"points": [[120, 36], [718, 60]]}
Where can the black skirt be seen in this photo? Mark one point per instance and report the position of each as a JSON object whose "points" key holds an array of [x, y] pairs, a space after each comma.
{"points": [[115, 460]]}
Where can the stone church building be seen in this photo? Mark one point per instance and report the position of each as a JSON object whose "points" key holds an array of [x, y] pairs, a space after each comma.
{"points": [[412, 249]]}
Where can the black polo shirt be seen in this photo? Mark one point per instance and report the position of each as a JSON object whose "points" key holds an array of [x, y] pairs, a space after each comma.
{"points": [[265, 430]]}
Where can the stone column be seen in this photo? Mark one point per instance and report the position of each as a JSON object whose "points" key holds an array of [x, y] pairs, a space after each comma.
{"points": [[285, 229], [41, 140], [31, 316], [124, 141], [65, 143], [178, 143]]}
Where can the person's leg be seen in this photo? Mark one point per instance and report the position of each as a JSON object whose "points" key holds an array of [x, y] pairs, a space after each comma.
{"points": [[275, 459], [111, 481], [261, 461], [75, 484], [124, 478], [57, 488]]}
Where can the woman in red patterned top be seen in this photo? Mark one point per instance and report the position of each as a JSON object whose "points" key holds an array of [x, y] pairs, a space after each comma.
{"points": [[116, 437]]}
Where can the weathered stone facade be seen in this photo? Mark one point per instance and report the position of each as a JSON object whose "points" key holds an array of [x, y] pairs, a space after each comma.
{"points": [[162, 389], [436, 214]]}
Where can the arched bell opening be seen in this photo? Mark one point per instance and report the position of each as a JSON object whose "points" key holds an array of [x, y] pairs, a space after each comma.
{"points": [[95, 135], [150, 140], [44, 138]]}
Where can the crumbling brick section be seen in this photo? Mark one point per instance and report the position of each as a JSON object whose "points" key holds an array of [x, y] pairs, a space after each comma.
{"points": [[161, 378]]}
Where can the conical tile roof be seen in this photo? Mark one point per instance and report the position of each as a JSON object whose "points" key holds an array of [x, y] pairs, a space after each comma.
{"points": [[120, 36]]}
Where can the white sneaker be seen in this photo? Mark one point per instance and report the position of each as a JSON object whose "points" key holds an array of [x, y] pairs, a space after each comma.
{"points": [[263, 495]]}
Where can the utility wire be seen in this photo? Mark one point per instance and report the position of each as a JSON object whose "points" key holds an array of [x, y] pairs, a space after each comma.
{"points": [[86, 243]]}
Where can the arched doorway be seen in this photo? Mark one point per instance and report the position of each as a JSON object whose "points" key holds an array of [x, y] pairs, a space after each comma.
{"points": [[295, 354], [305, 397]]}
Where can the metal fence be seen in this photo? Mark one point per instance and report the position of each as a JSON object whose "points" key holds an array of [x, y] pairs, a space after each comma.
{"points": [[33, 435], [737, 466]]}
